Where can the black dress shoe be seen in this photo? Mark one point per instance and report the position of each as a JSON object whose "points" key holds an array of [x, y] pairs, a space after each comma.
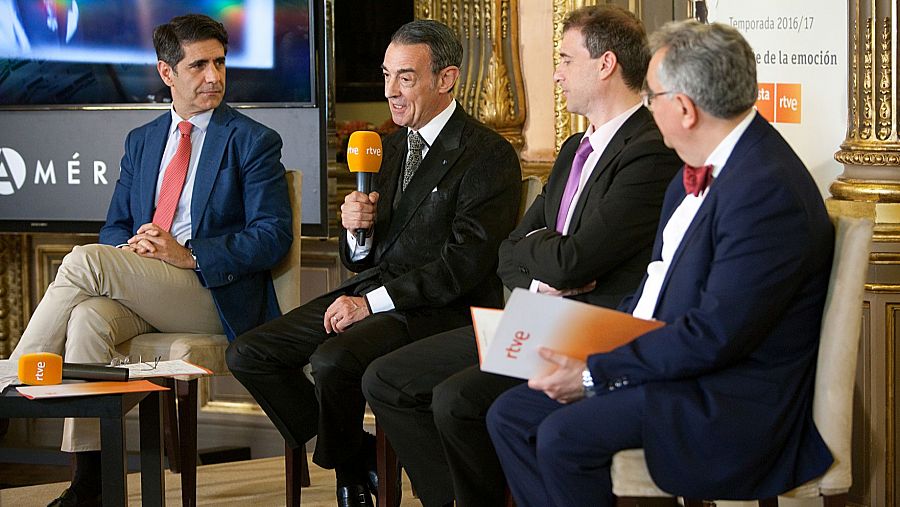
{"points": [[355, 495], [68, 498]]}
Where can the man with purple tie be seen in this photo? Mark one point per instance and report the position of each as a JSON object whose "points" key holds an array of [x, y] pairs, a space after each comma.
{"points": [[587, 237], [720, 398]]}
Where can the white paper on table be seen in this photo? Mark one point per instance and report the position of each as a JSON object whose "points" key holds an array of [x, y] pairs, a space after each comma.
{"points": [[173, 368]]}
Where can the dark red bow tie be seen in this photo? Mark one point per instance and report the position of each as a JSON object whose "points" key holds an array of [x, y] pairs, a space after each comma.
{"points": [[696, 179]]}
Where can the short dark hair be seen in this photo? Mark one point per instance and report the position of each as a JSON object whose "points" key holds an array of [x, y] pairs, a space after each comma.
{"points": [[169, 38], [446, 50], [612, 28]]}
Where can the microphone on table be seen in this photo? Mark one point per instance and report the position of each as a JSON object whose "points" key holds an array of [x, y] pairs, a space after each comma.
{"points": [[47, 368], [364, 158]]}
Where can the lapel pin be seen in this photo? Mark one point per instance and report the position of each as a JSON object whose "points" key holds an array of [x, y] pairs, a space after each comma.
{"points": [[445, 161]]}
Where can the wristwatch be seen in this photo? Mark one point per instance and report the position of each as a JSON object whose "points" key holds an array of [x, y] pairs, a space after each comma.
{"points": [[587, 382], [191, 251]]}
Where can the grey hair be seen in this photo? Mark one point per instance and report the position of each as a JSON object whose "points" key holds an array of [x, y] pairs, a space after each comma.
{"points": [[712, 64], [446, 50]]}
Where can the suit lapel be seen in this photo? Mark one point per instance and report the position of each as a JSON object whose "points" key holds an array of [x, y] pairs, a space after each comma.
{"points": [[440, 158], [747, 140], [150, 166], [633, 124], [210, 161], [388, 180]]}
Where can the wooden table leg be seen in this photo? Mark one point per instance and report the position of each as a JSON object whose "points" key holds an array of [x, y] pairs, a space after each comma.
{"points": [[112, 456], [153, 481], [187, 431]]}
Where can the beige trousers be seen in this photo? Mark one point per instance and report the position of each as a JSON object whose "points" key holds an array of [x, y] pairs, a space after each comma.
{"points": [[103, 296]]}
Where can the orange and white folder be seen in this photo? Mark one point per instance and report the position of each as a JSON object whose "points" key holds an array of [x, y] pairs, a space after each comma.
{"points": [[508, 340], [88, 389]]}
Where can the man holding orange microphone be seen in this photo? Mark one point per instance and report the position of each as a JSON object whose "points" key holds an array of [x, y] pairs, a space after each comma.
{"points": [[446, 196]]}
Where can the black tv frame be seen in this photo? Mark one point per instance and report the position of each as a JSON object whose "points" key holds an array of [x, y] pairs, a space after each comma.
{"points": [[318, 55]]}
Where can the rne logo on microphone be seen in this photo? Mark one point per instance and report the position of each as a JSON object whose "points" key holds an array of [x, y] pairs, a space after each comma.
{"points": [[12, 171]]}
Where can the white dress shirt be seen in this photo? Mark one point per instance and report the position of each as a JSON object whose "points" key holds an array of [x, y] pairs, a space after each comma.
{"points": [[181, 225], [599, 139], [379, 299], [680, 220]]}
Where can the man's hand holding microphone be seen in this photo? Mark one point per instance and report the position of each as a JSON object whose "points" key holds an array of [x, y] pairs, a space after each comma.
{"points": [[358, 214], [364, 158]]}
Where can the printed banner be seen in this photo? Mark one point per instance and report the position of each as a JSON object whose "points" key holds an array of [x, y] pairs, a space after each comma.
{"points": [[801, 63]]}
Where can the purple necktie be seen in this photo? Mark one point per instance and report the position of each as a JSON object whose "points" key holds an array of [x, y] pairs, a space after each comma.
{"points": [[584, 151]]}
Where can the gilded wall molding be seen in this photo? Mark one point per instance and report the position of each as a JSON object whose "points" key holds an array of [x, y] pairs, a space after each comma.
{"points": [[852, 121], [885, 127], [870, 152], [12, 292], [868, 70], [490, 85], [875, 156]]}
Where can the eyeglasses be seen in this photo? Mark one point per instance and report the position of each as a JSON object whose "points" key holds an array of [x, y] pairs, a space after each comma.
{"points": [[647, 97], [126, 360]]}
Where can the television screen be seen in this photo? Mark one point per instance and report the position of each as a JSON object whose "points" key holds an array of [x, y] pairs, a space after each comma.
{"points": [[71, 52], [77, 75]]}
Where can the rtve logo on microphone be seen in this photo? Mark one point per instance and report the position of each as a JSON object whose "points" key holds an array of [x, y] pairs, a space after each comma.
{"points": [[14, 172]]}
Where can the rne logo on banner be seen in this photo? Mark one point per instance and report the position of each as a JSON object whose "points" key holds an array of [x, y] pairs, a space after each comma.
{"points": [[12, 171], [780, 102]]}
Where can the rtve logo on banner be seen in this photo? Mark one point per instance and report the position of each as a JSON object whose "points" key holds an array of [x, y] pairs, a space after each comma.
{"points": [[13, 171], [779, 102]]}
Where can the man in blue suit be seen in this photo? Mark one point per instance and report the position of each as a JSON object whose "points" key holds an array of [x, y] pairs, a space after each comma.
{"points": [[720, 398], [198, 217]]}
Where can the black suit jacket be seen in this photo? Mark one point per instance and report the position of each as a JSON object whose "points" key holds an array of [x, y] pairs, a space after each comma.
{"points": [[611, 232], [436, 252]]}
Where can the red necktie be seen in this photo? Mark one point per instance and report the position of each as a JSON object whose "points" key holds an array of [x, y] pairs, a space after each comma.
{"points": [[173, 180], [581, 155], [696, 179]]}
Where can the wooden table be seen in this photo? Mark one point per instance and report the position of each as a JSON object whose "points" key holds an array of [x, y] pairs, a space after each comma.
{"points": [[111, 410]]}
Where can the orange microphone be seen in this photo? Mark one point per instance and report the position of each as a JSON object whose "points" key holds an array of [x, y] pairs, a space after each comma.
{"points": [[47, 368], [364, 158]]}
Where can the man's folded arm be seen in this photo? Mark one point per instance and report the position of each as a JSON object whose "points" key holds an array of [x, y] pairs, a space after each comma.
{"points": [[612, 229], [511, 272]]}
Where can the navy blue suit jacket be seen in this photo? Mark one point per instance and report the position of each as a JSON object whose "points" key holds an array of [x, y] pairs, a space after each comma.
{"points": [[729, 380], [240, 212]]}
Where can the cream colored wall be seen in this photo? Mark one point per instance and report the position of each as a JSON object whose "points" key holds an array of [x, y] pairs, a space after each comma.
{"points": [[536, 55]]}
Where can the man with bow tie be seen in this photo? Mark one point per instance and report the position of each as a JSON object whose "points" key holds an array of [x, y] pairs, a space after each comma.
{"points": [[720, 398]]}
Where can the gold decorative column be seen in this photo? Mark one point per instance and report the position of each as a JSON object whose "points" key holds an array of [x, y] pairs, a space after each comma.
{"points": [[870, 187], [490, 86], [12, 292]]}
